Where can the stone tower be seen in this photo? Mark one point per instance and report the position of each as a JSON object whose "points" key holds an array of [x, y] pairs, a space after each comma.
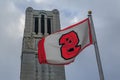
{"points": [[39, 23]]}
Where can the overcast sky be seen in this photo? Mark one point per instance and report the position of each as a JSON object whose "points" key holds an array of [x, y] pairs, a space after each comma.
{"points": [[106, 17]]}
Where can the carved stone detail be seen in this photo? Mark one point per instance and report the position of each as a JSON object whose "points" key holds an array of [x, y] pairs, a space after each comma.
{"points": [[29, 42]]}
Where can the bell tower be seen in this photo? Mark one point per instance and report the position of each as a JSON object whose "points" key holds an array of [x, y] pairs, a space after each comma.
{"points": [[39, 23]]}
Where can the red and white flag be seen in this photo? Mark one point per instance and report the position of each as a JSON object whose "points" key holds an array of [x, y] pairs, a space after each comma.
{"points": [[63, 46]]}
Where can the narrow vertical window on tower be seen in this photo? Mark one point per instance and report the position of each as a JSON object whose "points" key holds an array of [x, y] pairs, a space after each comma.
{"points": [[36, 25], [49, 25], [42, 24]]}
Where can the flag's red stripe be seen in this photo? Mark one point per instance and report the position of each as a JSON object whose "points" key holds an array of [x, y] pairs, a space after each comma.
{"points": [[90, 32], [90, 36], [41, 51], [74, 25]]}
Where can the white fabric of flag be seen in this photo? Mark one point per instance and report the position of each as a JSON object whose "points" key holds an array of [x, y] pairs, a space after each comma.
{"points": [[63, 46]]}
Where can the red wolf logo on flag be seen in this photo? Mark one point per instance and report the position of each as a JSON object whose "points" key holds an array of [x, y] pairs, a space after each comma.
{"points": [[70, 47]]}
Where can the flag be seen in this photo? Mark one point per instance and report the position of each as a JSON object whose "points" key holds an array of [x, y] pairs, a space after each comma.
{"points": [[63, 46]]}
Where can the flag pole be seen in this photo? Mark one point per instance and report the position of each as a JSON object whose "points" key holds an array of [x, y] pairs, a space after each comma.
{"points": [[101, 75]]}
